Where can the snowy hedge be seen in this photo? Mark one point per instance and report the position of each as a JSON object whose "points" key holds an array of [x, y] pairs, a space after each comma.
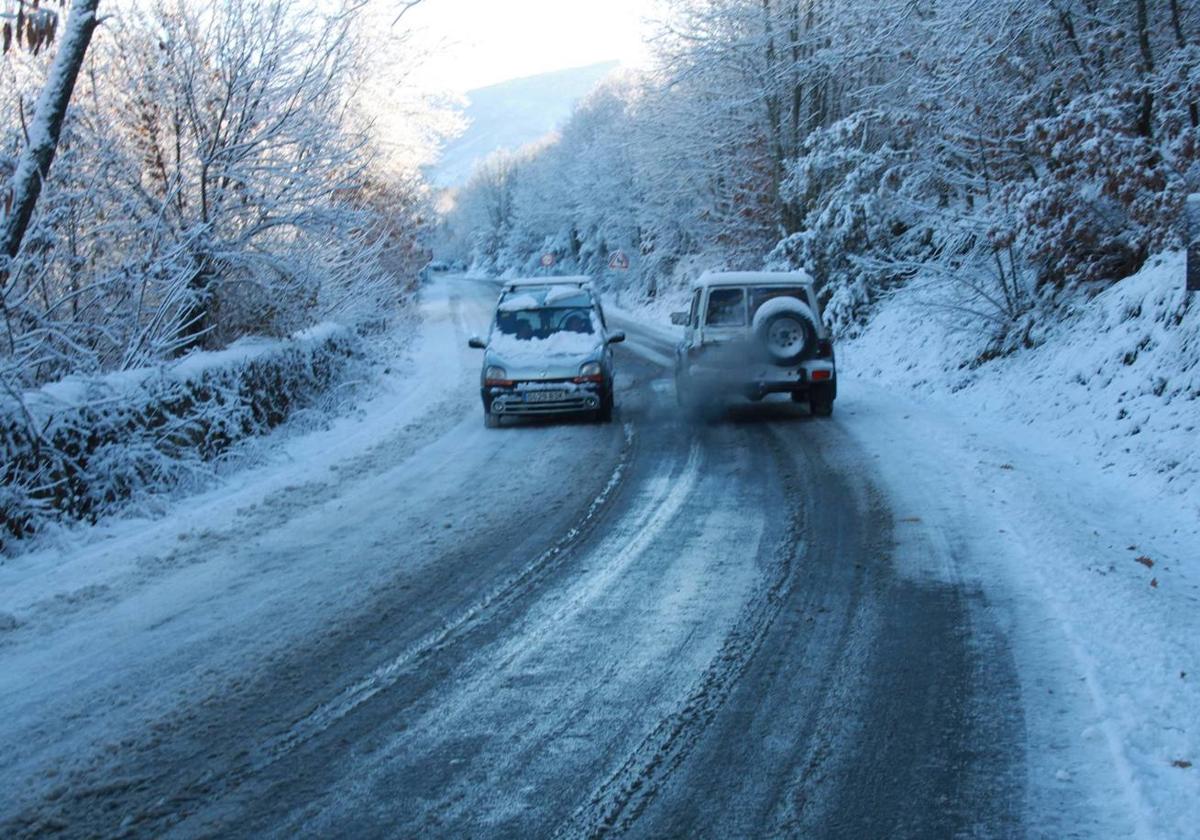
{"points": [[79, 448]]}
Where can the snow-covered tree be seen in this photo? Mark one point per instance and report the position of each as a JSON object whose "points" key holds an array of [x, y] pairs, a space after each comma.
{"points": [[29, 24], [992, 152], [218, 174]]}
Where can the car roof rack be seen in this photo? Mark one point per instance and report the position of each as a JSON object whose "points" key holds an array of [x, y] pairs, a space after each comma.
{"points": [[579, 280]]}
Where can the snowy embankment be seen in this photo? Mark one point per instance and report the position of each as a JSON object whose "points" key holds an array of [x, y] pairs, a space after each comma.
{"points": [[1115, 382], [86, 447], [1064, 481]]}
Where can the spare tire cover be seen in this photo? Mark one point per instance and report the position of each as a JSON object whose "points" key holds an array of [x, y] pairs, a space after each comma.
{"points": [[786, 329]]}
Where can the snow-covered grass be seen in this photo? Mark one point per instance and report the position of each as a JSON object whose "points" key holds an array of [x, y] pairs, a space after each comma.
{"points": [[86, 447], [1114, 381]]}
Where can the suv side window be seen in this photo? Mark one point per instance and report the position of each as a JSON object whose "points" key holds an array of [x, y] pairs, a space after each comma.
{"points": [[726, 308]]}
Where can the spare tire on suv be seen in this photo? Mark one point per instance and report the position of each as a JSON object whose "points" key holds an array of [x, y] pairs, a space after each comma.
{"points": [[785, 328]]}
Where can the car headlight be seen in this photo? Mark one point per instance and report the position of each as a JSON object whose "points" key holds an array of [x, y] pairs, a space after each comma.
{"points": [[495, 373], [590, 369]]}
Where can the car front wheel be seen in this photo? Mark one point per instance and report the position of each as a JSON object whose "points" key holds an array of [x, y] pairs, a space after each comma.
{"points": [[683, 392], [604, 414]]}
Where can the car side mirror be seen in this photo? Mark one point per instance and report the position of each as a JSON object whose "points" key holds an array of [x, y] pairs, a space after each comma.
{"points": [[679, 319], [616, 338], [476, 343]]}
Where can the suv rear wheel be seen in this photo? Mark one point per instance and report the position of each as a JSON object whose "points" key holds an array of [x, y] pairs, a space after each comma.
{"points": [[821, 406]]}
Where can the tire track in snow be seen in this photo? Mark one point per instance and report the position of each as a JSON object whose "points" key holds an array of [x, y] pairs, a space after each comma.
{"points": [[618, 802], [664, 505], [611, 560], [387, 674]]}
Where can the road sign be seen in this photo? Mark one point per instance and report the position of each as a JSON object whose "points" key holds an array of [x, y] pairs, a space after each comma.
{"points": [[548, 260], [1193, 236], [619, 261]]}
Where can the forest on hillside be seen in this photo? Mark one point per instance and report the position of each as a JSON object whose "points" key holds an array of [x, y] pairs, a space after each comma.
{"points": [[999, 153]]}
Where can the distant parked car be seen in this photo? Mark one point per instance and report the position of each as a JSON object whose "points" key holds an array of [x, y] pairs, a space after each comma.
{"points": [[430, 269], [753, 334], [549, 351]]}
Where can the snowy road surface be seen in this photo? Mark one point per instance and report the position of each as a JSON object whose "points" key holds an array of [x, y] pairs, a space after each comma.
{"points": [[764, 625]]}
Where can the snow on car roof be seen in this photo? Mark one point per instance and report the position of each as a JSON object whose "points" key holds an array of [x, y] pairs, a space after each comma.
{"points": [[752, 278], [558, 294], [533, 297], [518, 302]]}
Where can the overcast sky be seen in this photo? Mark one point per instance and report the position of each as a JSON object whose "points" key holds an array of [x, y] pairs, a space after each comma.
{"points": [[475, 43]]}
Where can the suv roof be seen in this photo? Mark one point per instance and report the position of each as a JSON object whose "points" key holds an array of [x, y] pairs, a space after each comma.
{"points": [[752, 278], [576, 280]]}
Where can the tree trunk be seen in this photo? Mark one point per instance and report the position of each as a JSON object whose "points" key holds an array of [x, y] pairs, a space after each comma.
{"points": [[38, 154], [1181, 41], [1146, 119]]}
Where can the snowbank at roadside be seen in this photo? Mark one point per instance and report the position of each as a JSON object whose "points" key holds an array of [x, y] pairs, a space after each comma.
{"points": [[1116, 381], [1067, 477], [1093, 583]]}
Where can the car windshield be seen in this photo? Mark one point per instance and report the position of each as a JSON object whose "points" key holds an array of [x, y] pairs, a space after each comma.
{"points": [[541, 322]]}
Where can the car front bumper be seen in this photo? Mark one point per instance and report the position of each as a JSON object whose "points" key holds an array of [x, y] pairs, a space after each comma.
{"points": [[541, 398]]}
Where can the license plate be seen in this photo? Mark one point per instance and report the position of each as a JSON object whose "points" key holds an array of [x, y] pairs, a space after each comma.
{"points": [[545, 396]]}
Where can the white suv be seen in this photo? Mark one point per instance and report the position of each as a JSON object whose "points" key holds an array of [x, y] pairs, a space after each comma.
{"points": [[755, 333]]}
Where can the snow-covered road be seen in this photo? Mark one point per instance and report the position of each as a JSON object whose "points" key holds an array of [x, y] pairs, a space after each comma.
{"points": [[408, 625]]}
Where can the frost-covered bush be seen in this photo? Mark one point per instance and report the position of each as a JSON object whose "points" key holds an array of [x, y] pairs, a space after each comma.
{"points": [[83, 447], [217, 177], [1108, 198], [847, 177]]}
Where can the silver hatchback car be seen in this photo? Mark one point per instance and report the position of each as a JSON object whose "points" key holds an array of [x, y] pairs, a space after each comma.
{"points": [[549, 351]]}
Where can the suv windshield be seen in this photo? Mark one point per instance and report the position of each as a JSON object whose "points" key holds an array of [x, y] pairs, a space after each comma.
{"points": [[544, 321]]}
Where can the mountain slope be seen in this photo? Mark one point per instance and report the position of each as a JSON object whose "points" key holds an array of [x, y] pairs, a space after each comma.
{"points": [[513, 113]]}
